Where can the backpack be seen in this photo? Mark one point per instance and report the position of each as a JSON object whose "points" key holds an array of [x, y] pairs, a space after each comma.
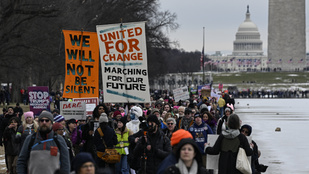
{"points": [[30, 146]]}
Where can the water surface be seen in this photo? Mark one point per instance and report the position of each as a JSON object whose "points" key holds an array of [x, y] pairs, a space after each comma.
{"points": [[285, 151]]}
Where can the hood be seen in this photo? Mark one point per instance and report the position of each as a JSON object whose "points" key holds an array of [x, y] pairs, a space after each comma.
{"points": [[230, 133]]}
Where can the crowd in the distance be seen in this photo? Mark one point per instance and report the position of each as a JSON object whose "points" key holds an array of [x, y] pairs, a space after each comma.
{"points": [[163, 136]]}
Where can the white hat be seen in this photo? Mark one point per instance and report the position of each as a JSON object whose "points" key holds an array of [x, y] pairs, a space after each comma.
{"points": [[103, 118]]}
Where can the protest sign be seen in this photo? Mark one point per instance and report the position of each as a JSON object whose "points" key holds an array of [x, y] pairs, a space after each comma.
{"points": [[82, 64], [38, 99], [123, 58], [91, 103], [73, 109], [181, 93]]}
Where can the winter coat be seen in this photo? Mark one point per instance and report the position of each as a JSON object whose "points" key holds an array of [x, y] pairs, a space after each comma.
{"points": [[89, 140], [109, 137], [221, 126], [199, 133], [227, 145], [12, 148], [160, 148], [4, 123], [46, 156], [22, 134]]}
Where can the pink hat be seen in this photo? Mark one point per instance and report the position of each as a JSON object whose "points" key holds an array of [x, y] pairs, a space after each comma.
{"points": [[28, 114]]}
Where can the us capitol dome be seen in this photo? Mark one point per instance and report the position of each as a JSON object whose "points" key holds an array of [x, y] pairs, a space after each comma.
{"points": [[248, 42]]}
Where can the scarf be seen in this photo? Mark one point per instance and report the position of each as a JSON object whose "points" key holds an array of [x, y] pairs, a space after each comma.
{"points": [[184, 170], [29, 125]]}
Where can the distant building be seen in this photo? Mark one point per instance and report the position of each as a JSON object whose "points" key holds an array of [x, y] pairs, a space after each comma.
{"points": [[287, 35], [247, 52]]}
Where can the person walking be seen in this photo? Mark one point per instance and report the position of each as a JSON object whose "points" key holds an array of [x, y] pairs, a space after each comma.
{"points": [[227, 146], [122, 147], [153, 147], [44, 144]]}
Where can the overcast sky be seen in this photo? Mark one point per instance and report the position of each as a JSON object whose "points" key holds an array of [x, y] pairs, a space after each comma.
{"points": [[221, 19]]}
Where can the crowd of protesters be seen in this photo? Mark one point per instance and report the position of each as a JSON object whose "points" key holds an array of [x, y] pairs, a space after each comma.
{"points": [[162, 136]]}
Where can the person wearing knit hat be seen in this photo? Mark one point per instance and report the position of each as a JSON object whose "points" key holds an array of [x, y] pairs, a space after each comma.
{"points": [[200, 131], [83, 163], [103, 118], [51, 150], [123, 134], [156, 112], [109, 137], [117, 115], [222, 122], [28, 114], [59, 129], [158, 146], [178, 135], [171, 159], [58, 118], [154, 119], [28, 127], [57, 126], [46, 114]]}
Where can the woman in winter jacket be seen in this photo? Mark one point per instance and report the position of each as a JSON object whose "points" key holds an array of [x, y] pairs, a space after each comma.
{"points": [[189, 159], [228, 144], [28, 127], [123, 146]]}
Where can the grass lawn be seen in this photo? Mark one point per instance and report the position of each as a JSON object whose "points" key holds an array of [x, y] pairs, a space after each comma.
{"points": [[266, 80]]}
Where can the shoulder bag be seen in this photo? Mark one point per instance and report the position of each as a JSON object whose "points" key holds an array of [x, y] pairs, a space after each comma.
{"points": [[242, 162], [110, 155]]}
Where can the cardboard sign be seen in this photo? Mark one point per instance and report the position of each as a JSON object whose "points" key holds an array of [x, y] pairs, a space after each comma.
{"points": [[91, 103], [38, 99], [181, 93], [74, 109], [82, 64], [123, 58]]}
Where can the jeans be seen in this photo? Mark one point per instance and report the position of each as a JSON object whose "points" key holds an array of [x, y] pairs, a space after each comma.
{"points": [[221, 111], [122, 167]]}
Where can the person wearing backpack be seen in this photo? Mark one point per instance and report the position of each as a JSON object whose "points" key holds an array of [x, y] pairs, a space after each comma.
{"points": [[44, 151]]}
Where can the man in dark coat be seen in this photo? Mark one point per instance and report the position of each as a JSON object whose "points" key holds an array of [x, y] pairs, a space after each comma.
{"points": [[152, 147]]}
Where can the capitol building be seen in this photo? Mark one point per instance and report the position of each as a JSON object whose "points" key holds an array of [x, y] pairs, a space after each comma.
{"points": [[286, 48], [247, 51]]}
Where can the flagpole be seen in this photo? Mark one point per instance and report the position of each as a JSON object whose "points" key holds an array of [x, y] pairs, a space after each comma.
{"points": [[203, 55]]}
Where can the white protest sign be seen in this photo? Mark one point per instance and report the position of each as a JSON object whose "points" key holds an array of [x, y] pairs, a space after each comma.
{"points": [[74, 109], [91, 103], [181, 93], [212, 161], [123, 59]]}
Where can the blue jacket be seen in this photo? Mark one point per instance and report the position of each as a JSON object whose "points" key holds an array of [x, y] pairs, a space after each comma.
{"points": [[170, 160], [200, 133]]}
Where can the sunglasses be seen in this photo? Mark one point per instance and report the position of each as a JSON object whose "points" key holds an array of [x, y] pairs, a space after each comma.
{"points": [[46, 120], [61, 129], [170, 123]]}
